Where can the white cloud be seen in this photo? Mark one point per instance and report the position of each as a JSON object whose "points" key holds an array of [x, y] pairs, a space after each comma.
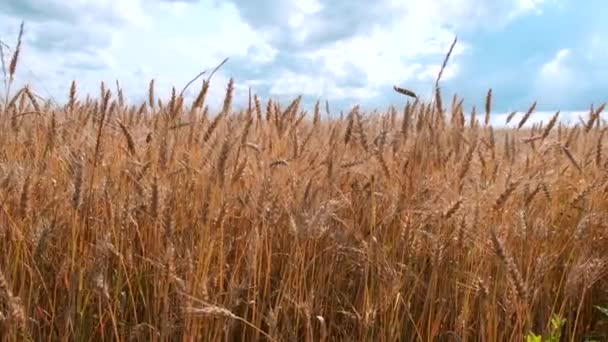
{"points": [[524, 6], [178, 8], [289, 84], [69, 40], [367, 55], [469, 14], [309, 6], [558, 78], [363, 64], [383, 43], [557, 66], [350, 50], [430, 72], [119, 41], [78, 12]]}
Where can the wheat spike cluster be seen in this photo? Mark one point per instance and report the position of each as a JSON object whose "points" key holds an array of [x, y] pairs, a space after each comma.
{"points": [[166, 220]]}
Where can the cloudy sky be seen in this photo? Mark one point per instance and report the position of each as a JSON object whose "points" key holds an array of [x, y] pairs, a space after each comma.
{"points": [[346, 51]]}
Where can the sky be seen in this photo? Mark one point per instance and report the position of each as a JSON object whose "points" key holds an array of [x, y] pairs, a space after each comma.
{"points": [[348, 52]]}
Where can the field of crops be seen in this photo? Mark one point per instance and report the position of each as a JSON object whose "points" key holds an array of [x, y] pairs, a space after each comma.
{"points": [[168, 221]]}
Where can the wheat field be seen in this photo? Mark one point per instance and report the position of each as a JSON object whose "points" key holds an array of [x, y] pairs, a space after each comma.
{"points": [[168, 221]]}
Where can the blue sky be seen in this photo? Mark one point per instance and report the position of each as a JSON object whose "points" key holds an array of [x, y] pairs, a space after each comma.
{"points": [[347, 51]]}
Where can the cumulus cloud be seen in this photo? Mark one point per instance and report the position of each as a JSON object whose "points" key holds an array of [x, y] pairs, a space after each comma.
{"points": [[67, 40], [383, 42], [312, 23], [78, 12], [563, 78], [556, 67], [344, 51], [471, 14], [132, 41]]}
